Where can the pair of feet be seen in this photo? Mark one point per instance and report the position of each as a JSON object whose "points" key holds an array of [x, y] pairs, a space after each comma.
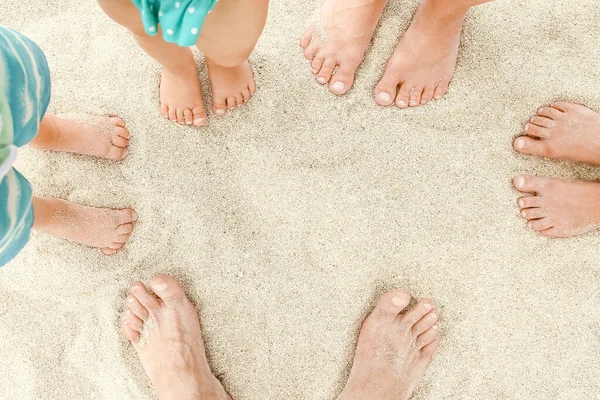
{"points": [[393, 351], [181, 92], [103, 137], [556, 207], [420, 68]]}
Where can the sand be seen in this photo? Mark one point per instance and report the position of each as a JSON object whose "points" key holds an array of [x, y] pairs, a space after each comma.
{"points": [[287, 219]]}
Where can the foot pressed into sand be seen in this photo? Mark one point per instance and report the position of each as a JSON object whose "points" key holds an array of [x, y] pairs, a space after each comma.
{"points": [[337, 43], [164, 329], [559, 208], [394, 349], [102, 228], [231, 86]]}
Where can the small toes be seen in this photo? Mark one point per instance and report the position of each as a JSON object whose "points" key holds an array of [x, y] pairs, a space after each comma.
{"points": [[550, 112], [530, 183], [136, 307], [108, 251], [540, 224], [428, 351], [536, 131], [119, 141], [172, 114], [117, 121], [326, 71], [404, 94], [316, 64], [133, 321], [422, 308], [231, 103], [441, 89], [415, 97], [131, 334], [125, 229], [188, 116], [527, 145], [530, 202], [311, 50], [164, 111], [246, 95], [145, 298], [427, 94], [542, 121], [428, 336], [308, 36], [563, 106], [533, 213], [425, 323]]}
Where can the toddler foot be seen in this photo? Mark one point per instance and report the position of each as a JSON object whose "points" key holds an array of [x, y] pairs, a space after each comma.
{"points": [[559, 208], [165, 332], [393, 350], [181, 95], [339, 41], [91, 135], [231, 86], [102, 228], [565, 131], [424, 61]]}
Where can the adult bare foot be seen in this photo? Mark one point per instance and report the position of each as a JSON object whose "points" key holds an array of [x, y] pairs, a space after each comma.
{"points": [[559, 208], [424, 61], [181, 95], [565, 131], [91, 135], [165, 332], [102, 228], [231, 86], [393, 350], [340, 40]]}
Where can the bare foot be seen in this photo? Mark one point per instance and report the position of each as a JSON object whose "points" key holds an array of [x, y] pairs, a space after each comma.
{"points": [[425, 59], [340, 40], [181, 95], [231, 86], [393, 349], [165, 332], [559, 208], [565, 131], [91, 135], [102, 228]]}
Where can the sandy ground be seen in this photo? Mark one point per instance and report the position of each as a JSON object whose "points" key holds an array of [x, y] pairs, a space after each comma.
{"points": [[287, 219]]}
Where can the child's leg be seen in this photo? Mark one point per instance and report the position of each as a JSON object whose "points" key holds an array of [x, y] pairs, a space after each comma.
{"points": [[228, 37], [102, 228], [180, 91], [104, 137], [423, 64]]}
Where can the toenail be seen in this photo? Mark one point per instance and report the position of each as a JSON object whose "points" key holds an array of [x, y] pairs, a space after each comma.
{"points": [[384, 98], [134, 216], [199, 121], [130, 300], [428, 306], [526, 127], [413, 103], [160, 287], [397, 301], [338, 86], [433, 315], [401, 103], [436, 326], [219, 112], [520, 144], [322, 80], [437, 97], [520, 181]]}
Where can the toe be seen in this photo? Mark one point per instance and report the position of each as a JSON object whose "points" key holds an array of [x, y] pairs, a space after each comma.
{"points": [[252, 87], [220, 107], [146, 299], [127, 215], [231, 103], [427, 94], [428, 336], [308, 35], [122, 132], [168, 289], [239, 99], [116, 153], [440, 90], [550, 233], [563, 106], [311, 50], [326, 70], [542, 121], [404, 94], [530, 202], [133, 321], [246, 94], [119, 141], [117, 121], [392, 303], [533, 213], [527, 145], [108, 252], [136, 307], [116, 246], [536, 131], [180, 117], [124, 229], [422, 308], [415, 96], [188, 116], [199, 115], [343, 80], [316, 64], [428, 351], [530, 183], [385, 91], [172, 114], [550, 112], [164, 111], [131, 334], [540, 224], [425, 323]]}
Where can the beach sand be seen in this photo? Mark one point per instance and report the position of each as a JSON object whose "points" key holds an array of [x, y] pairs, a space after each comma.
{"points": [[286, 220]]}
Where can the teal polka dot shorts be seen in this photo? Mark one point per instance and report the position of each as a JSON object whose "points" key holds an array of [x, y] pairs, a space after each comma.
{"points": [[180, 20]]}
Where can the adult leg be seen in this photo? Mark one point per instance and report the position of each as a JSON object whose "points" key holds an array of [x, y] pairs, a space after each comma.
{"points": [[180, 91], [424, 61], [229, 35], [165, 331]]}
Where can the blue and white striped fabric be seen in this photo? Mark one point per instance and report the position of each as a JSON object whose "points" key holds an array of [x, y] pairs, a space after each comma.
{"points": [[24, 98]]}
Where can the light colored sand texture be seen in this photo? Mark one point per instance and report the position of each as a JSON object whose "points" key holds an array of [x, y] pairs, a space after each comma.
{"points": [[287, 219]]}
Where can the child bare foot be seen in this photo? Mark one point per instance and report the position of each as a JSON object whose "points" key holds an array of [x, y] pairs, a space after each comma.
{"points": [[181, 95], [340, 40], [91, 135], [565, 131], [165, 331], [231, 86], [102, 228], [393, 350], [424, 61], [559, 208]]}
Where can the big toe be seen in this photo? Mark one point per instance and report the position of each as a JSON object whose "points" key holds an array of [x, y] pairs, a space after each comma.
{"points": [[530, 183], [342, 81], [392, 303], [168, 289]]}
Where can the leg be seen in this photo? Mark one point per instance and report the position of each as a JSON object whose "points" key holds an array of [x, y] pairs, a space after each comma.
{"points": [[424, 61], [229, 35], [104, 137], [180, 91], [394, 349], [102, 228], [165, 332], [339, 41]]}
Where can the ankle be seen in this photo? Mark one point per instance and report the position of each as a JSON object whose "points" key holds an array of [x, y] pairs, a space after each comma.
{"points": [[446, 10], [49, 133]]}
